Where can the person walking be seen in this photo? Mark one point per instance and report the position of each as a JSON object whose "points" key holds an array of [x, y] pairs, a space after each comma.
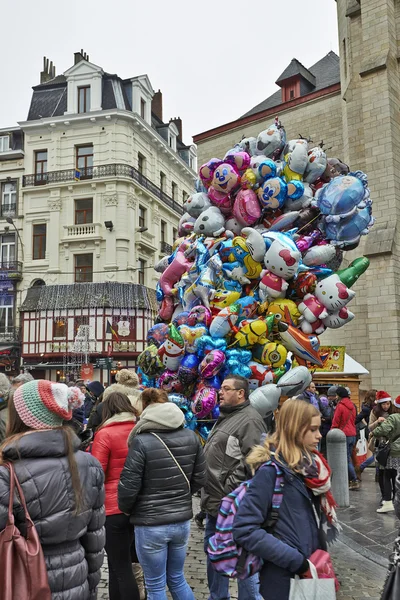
{"points": [[63, 487], [110, 447], [362, 421], [344, 419], [389, 430], [306, 517], [382, 409], [164, 467], [238, 428]]}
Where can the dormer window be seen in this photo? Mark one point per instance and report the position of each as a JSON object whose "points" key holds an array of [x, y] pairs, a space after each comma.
{"points": [[143, 108], [84, 99], [4, 143]]}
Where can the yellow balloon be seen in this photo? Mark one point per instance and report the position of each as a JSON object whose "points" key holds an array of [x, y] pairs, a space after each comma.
{"points": [[272, 353], [285, 310]]}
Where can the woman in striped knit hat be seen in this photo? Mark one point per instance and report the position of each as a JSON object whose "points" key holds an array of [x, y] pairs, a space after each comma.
{"points": [[63, 487]]}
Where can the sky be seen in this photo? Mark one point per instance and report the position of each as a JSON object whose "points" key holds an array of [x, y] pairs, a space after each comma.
{"points": [[213, 61]]}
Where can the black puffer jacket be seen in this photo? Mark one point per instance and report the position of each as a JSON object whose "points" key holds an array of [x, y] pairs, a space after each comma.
{"points": [[152, 488], [72, 545]]}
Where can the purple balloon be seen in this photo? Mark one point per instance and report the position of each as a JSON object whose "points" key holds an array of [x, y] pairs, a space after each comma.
{"points": [[204, 400]]}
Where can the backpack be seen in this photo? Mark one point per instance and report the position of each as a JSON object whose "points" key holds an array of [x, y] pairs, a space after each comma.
{"points": [[226, 557]]}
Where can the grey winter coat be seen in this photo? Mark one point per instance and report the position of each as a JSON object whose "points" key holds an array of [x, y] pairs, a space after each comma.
{"points": [[229, 442], [72, 544]]}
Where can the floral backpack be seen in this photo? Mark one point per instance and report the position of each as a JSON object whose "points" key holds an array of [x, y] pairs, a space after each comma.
{"points": [[226, 557]]}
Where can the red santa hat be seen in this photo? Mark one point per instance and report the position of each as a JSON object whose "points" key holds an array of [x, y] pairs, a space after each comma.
{"points": [[396, 402], [382, 397]]}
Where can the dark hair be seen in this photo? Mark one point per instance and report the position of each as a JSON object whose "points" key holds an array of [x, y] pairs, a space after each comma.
{"points": [[379, 412], [115, 404], [16, 428], [241, 383], [153, 396], [370, 397]]}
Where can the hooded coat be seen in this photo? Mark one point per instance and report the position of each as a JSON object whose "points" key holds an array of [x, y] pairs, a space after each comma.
{"points": [[296, 535], [152, 488], [344, 417], [72, 544]]}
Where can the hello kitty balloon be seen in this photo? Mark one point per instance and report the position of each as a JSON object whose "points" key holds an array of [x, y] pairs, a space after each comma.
{"points": [[282, 261]]}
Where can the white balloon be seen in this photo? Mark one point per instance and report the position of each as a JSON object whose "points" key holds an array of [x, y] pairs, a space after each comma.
{"points": [[266, 399], [295, 381]]}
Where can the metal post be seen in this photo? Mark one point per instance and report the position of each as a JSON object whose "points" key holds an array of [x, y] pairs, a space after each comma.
{"points": [[337, 459]]}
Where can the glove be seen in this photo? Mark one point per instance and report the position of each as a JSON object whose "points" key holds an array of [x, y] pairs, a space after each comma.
{"points": [[304, 567]]}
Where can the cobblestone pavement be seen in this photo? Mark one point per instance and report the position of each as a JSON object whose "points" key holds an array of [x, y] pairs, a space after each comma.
{"points": [[360, 578]]}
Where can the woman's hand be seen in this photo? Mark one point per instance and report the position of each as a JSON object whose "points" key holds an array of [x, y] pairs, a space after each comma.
{"points": [[381, 419]]}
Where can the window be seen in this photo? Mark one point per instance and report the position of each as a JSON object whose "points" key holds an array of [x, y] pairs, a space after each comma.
{"points": [[78, 321], [174, 234], [163, 231], [60, 328], [84, 161], [142, 216], [7, 250], [9, 199], [39, 242], [84, 99], [174, 189], [163, 179], [141, 271], [185, 196], [83, 268], [40, 166], [6, 312], [142, 108], [170, 141], [291, 94], [4, 143], [141, 163], [83, 211]]}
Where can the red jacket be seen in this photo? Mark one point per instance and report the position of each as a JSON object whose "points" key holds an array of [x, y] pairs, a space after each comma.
{"points": [[110, 447], [345, 417]]}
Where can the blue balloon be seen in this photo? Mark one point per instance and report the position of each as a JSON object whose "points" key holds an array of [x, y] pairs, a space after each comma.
{"points": [[215, 412], [190, 420], [207, 343], [214, 382], [340, 196], [179, 399]]}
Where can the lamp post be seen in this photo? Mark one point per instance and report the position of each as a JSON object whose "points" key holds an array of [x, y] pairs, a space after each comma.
{"points": [[11, 222]]}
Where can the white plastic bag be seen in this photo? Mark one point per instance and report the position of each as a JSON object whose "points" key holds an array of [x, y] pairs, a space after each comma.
{"points": [[362, 446], [312, 589]]}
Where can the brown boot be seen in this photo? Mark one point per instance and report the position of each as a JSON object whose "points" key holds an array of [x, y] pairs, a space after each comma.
{"points": [[358, 471], [139, 576]]}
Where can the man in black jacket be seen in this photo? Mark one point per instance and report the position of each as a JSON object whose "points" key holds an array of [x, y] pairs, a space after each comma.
{"points": [[237, 430]]}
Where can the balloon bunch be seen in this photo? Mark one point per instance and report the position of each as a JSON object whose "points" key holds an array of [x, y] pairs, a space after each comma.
{"points": [[254, 279]]}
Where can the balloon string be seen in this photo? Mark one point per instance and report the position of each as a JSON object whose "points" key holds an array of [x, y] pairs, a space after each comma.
{"points": [[309, 223]]}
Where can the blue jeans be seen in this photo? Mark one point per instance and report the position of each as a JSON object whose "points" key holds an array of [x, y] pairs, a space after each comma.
{"points": [[351, 440], [367, 462], [248, 589], [161, 550]]}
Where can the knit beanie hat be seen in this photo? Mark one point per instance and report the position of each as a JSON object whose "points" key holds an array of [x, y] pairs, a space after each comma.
{"points": [[332, 391], [382, 397], [95, 388], [43, 405], [127, 377], [342, 392]]}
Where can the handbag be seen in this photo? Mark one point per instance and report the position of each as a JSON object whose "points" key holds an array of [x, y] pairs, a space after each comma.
{"points": [[391, 589], [312, 589], [173, 458], [383, 452], [323, 563], [23, 573]]}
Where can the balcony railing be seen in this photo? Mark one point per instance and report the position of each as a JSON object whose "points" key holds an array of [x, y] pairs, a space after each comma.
{"points": [[8, 210], [11, 269], [9, 334], [83, 230], [165, 248], [102, 171]]}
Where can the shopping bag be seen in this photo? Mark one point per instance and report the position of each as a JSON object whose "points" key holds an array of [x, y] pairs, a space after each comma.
{"points": [[323, 563], [312, 589], [361, 447]]}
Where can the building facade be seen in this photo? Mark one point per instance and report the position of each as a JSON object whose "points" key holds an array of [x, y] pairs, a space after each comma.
{"points": [[351, 103], [104, 180]]}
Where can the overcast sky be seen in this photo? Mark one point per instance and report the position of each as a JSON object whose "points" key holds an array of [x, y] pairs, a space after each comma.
{"points": [[213, 61]]}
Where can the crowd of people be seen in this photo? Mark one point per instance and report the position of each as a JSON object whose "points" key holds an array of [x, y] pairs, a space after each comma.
{"points": [[127, 487]]}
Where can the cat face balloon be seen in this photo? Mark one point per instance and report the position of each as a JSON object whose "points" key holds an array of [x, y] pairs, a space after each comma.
{"points": [[282, 259], [333, 294]]}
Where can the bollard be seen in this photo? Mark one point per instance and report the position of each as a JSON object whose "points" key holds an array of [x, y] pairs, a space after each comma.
{"points": [[337, 459]]}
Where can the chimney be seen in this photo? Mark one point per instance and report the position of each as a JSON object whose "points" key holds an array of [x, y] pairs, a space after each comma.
{"points": [[156, 104], [178, 123], [49, 71], [79, 56]]}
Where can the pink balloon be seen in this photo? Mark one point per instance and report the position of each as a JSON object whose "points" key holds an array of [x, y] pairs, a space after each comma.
{"points": [[246, 208], [221, 200], [212, 363], [204, 400], [180, 265]]}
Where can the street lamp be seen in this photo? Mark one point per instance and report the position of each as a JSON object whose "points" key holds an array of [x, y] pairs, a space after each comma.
{"points": [[11, 222]]}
